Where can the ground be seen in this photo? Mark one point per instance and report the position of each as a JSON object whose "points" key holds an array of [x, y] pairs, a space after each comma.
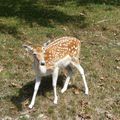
{"points": [[96, 24]]}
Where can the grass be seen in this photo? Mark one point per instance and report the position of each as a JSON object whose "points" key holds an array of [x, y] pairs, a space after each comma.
{"points": [[95, 23]]}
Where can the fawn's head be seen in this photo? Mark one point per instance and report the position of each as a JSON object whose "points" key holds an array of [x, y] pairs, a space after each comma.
{"points": [[38, 55]]}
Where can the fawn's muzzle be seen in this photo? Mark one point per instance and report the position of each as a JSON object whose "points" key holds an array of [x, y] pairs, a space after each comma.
{"points": [[42, 63]]}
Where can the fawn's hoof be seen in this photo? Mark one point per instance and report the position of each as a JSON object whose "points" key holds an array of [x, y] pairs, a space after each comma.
{"points": [[30, 106], [55, 101], [63, 90], [86, 92]]}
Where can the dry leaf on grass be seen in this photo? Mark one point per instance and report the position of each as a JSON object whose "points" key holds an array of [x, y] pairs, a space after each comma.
{"points": [[1, 68], [101, 85], [82, 14], [27, 111], [87, 117], [76, 91], [13, 110], [83, 117], [118, 68], [79, 117], [102, 78], [15, 85], [117, 59], [25, 103], [64, 28], [83, 103], [43, 117], [29, 42], [109, 115]]}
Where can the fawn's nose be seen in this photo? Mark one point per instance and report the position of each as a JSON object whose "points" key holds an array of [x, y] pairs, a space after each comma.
{"points": [[42, 63]]}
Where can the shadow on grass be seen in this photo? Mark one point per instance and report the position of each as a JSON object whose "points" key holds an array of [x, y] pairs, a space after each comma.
{"points": [[107, 2], [33, 11], [11, 30], [43, 13], [84, 2], [26, 91]]}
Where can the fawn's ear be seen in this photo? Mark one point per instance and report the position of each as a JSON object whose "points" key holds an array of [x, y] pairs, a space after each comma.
{"points": [[28, 48]]}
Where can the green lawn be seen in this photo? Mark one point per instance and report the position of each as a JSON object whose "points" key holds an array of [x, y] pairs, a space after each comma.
{"points": [[96, 23]]}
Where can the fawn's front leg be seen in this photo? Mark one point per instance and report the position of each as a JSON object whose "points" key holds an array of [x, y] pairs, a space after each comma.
{"points": [[37, 84], [54, 82]]}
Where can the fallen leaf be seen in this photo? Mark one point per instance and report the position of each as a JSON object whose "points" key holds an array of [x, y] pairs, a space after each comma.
{"points": [[113, 87], [101, 78], [83, 103], [1, 68], [15, 85], [11, 49], [118, 68], [28, 111], [42, 117], [7, 118], [108, 115], [87, 117], [26, 103], [12, 107], [29, 42], [79, 117], [32, 110], [117, 59], [64, 28], [101, 84], [117, 81], [82, 14], [76, 91], [83, 116]]}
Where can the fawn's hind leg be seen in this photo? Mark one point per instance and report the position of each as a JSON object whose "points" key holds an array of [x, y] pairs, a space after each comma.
{"points": [[69, 74], [81, 70]]}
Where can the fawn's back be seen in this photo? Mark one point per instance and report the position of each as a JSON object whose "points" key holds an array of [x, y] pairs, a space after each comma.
{"points": [[60, 48]]}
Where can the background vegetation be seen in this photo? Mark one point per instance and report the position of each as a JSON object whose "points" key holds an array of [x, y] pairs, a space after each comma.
{"points": [[96, 23]]}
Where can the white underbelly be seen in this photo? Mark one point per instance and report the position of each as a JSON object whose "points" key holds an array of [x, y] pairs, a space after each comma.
{"points": [[64, 62]]}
